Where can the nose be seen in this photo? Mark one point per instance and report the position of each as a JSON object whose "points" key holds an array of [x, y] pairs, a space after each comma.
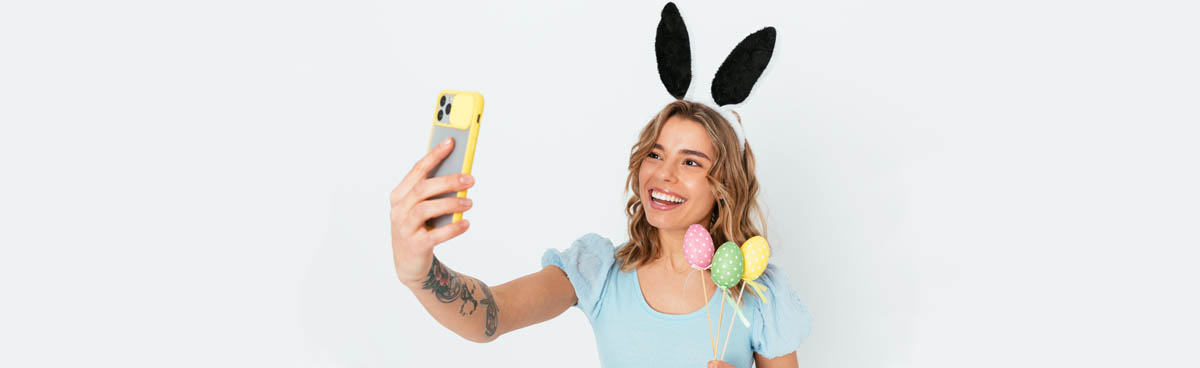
{"points": [[666, 173]]}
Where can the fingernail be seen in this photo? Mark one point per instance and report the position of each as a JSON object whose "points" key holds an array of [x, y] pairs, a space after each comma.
{"points": [[466, 179], [464, 201], [447, 141]]}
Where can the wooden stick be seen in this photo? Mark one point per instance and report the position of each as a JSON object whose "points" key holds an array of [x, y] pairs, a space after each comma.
{"points": [[739, 302], [711, 340], [720, 317]]}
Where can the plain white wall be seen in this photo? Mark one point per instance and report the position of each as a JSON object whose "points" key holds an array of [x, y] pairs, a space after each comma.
{"points": [[949, 183]]}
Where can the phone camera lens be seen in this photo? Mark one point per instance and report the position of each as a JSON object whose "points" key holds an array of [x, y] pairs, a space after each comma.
{"points": [[439, 114], [448, 108], [443, 102]]}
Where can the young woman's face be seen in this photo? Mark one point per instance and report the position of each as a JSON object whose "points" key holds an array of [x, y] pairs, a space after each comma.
{"points": [[673, 178]]}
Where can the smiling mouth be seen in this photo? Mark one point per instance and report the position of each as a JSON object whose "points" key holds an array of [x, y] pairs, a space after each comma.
{"points": [[661, 200]]}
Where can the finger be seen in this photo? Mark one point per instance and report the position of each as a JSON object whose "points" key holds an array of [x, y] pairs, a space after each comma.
{"points": [[421, 169], [446, 232], [426, 210], [428, 188]]}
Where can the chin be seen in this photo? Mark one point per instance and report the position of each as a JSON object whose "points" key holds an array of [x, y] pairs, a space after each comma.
{"points": [[663, 221]]}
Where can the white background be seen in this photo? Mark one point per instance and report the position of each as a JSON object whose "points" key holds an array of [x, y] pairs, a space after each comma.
{"points": [[1005, 183]]}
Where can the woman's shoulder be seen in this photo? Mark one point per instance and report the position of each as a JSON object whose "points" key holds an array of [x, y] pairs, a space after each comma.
{"points": [[776, 276], [587, 263], [591, 248], [783, 320]]}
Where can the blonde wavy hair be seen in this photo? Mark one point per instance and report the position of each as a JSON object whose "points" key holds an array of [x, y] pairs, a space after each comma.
{"points": [[731, 178]]}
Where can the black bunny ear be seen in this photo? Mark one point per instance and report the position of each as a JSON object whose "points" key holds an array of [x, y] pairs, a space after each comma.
{"points": [[674, 52], [741, 69]]}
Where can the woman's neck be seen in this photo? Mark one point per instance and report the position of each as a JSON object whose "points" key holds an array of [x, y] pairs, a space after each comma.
{"points": [[672, 259]]}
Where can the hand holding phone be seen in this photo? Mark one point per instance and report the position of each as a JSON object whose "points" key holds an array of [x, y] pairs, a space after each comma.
{"points": [[435, 188], [412, 205]]}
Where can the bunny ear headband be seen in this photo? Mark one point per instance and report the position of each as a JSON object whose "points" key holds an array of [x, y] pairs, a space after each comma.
{"points": [[734, 79]]}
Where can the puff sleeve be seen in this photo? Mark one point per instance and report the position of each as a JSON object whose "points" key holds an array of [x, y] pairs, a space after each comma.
{"points": [[784, 322], [587, 264]]}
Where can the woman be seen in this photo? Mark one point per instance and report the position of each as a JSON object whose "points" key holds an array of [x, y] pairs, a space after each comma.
{"points": [[686, 168]]}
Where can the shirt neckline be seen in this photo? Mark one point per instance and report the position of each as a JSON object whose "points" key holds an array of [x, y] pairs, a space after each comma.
{"points": [[667, 316]]}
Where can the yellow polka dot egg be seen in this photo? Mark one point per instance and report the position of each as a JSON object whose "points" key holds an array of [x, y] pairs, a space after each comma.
{"points": [[755, 252]]}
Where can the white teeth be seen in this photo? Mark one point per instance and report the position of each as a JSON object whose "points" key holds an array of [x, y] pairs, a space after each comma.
{"points": [[665, 197]]}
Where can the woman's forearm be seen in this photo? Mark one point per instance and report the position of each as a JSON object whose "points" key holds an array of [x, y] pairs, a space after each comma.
{"points": [[462, 303]]}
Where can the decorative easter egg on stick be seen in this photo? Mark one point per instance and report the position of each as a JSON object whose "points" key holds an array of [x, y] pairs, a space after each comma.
{"points": [[755, 252], [727, 265], [698, 247], [698, 251]]}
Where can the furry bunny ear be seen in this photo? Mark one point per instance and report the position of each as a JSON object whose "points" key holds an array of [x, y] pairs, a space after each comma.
{"points": [[739, 72], [674, 52]]}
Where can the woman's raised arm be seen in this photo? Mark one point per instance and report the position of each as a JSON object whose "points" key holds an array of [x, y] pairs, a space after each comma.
{"points": [[480, 313], [462, 303]]}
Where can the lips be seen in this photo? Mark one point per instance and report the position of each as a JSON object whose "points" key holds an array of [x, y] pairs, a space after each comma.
{"points": [[666, 200]]}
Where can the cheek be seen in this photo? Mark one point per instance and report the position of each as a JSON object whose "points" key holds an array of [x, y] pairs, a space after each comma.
{"points": [[644, 174], [700, 190]]}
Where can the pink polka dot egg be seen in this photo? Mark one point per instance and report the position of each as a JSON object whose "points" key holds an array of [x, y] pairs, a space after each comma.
{"points": [[698, 247]]}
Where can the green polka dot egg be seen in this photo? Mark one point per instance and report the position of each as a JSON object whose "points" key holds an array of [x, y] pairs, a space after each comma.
{"points": [[727, 265]]}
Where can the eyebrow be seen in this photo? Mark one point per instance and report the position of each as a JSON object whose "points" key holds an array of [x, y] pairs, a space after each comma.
{"points": [[686, 152]]}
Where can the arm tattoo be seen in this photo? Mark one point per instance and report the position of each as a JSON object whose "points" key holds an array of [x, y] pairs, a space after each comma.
{"points": [[492, 310], [449, 286]]}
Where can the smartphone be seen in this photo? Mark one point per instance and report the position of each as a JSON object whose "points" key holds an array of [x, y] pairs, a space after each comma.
{"points": [[457, 116]]}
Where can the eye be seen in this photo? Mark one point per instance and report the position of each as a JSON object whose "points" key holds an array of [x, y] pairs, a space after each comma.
{"points": [[690, 162], [653, 155]]}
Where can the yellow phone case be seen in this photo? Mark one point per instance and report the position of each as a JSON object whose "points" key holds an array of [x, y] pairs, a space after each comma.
{"points": [[457, 115]]}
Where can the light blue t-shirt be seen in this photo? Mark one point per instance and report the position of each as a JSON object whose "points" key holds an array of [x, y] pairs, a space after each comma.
{"points": [[629, 333]]}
